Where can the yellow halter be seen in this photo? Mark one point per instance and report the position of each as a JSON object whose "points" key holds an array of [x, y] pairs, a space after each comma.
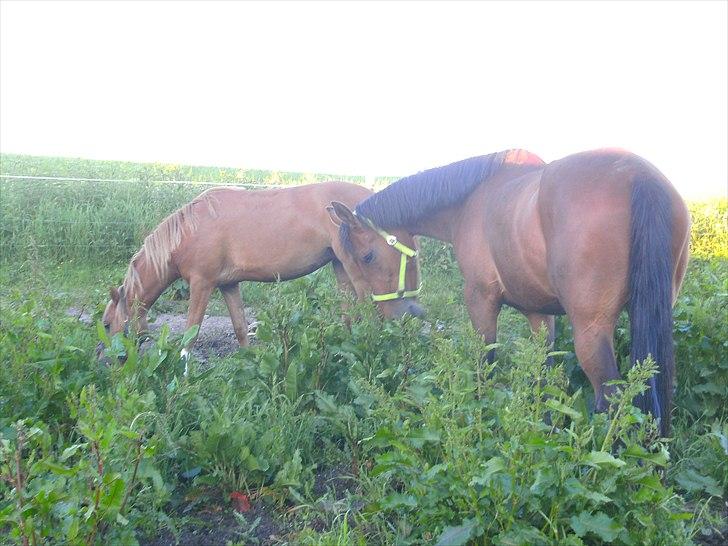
{"points": [[406, 252]]}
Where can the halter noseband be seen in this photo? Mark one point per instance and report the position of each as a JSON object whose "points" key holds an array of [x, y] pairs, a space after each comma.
{"points": [[406, 252]]}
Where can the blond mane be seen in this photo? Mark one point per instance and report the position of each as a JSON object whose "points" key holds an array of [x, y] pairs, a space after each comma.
{"points": [[165, 239]]}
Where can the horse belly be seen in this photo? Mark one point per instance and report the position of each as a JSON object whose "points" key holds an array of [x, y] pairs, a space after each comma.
{"points": [[518, 248], [529, 292], [271, 264]]}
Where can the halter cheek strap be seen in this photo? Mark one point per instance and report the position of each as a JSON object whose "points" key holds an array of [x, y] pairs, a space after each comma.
{"points": [[406, 252]]}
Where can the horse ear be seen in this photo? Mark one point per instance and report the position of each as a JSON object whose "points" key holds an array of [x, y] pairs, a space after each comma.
{"points": [[114, 293], [122, 296], [340, 213], [332, 216]]}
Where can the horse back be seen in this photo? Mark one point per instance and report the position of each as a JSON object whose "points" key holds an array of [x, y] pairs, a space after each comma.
{"points": [[262, 234]]}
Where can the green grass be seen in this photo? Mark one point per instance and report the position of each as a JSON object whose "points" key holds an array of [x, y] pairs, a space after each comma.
{"points": [[442, 447], [26, 165]]}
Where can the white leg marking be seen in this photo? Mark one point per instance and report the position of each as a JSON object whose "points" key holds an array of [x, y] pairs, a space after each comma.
{"points": [[185, 354]]}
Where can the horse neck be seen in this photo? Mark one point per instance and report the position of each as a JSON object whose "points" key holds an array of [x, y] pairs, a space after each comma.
{"points": [[150, 285], [444, 223], [441, 225]]}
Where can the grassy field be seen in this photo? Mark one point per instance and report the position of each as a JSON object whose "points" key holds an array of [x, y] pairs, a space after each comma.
{"points": [[384, 433]]}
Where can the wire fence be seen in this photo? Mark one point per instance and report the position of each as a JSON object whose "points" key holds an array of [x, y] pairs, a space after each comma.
{"points": [[62, 218], [140, 181]]}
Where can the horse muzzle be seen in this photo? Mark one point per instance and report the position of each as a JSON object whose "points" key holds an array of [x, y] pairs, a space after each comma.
{"points": [[104, 359], [399, 308], [416, 310]]}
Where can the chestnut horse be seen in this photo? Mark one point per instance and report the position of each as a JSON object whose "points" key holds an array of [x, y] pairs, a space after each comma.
{"points": [[228, 235], [587, 235]]}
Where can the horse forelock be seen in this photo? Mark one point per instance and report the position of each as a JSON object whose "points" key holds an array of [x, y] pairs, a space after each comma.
{"points": [[411, 198]]}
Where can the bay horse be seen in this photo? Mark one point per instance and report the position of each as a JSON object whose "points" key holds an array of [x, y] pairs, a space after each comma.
{"points": [[586, 235], [227, 235]]}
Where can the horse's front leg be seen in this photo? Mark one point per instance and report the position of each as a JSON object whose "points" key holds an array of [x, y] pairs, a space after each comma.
{"points": [[539, 320], [200, 291], [483, 309], [345, 285]]}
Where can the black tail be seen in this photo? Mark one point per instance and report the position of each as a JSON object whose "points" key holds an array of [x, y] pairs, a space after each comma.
{"points": [[650, 293]]}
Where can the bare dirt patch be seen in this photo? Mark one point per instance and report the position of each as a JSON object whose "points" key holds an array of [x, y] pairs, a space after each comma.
{"points": [[215, 339], [216, 525], [206, 521]]}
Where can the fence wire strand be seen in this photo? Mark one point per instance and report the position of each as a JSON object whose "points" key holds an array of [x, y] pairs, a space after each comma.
{"points": [[141, 181]]}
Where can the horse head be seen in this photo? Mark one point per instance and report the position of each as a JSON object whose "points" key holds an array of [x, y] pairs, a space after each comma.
{"points": [[118, 317], [381, 265]]}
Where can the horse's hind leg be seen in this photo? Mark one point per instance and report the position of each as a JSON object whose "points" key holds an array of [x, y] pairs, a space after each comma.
{"points": [[680, 268], [594, 346], [231, 293]]}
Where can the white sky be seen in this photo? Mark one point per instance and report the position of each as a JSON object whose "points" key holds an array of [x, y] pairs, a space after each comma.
{"points": [[376, 88]]}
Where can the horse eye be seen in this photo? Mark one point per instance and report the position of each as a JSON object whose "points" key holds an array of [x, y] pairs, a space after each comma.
{"points": [[368, 257]]}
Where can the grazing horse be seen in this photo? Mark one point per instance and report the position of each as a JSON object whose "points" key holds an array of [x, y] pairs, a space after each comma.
{"points": [[587, 235], [227, 235]]}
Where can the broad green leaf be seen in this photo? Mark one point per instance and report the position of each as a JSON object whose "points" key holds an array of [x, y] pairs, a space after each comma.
{"points": [[101, 332], [720, 435], [418, 438], [456, 536], [599, 458], [72, 531], [489, 468], [128, 433], [598, 524], [545, 479], [149, 471], [398, 500], [71, 451], [576, 488], [111, 499], [382, 438], [325, 403], [58, 469], [190, 334], [268, 364], [681, 516], [640, 452], [521, 535], [691, 480], [292, 382], [563, 408]]}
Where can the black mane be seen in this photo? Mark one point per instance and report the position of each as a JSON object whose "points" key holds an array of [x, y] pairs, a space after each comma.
{"points": [[409, 199]]}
